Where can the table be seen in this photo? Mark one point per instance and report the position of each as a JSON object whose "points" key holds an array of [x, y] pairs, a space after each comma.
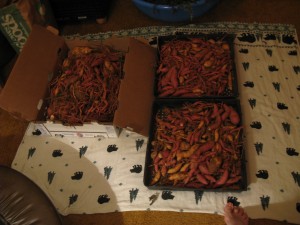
{"points": [[96, 175]]}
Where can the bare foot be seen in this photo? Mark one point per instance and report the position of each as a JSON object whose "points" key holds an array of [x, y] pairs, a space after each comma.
{"points": [[234, 215]]}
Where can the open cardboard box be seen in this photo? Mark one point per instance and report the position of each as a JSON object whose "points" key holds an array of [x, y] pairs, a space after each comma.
{"points": [[25, 92]]}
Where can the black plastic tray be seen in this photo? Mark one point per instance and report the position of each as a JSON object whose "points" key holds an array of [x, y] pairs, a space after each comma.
{"points": [[226, 37], [241, 185]]}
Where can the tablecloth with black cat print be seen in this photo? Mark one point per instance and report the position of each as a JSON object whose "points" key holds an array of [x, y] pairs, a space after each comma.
{"points": [[97, 175]]}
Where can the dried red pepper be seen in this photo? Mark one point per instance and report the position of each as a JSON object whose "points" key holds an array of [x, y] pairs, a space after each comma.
{"points": [[87, 88]]}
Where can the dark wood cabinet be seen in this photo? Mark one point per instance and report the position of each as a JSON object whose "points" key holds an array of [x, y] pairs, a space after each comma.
{"points": [[77, 10]]}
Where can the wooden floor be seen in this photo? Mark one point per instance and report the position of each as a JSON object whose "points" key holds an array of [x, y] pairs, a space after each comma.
{"points": [[124, 15]]}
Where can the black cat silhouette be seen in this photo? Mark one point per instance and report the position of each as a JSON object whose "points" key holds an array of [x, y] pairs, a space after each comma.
{"points": [[249, 84], [233, 200], [244, 51], [273, 68], [288, 39], [77, 175], [293, 53], [136, 169], [281, 106], [270, 37], [167, 195], [112, 148], [37, 132], [247, 38], [103, 199], [262, 174], [57, 153], [256, 125], [292, 152]]}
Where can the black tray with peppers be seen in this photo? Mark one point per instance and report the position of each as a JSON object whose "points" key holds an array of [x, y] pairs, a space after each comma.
{"points": [[196, 145], [196, 66]]}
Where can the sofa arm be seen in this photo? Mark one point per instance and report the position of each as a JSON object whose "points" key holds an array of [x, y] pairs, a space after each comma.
{"points": [[23, 202]]}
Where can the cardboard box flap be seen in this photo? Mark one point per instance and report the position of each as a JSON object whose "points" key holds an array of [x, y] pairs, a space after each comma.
{"points": [[117, 43], [27, 84], [136, 90]]}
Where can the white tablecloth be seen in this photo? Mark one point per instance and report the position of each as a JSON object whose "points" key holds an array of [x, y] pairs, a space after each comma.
{"points": [[95, 175]]}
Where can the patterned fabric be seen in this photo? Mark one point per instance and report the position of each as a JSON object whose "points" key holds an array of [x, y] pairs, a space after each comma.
{"points": [[149, 32], [94, 175]]}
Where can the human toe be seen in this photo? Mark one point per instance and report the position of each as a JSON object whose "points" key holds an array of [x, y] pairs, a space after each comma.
{"points": [[228, 207]]}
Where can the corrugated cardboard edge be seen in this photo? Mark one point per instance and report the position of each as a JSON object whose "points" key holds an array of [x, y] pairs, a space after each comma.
{"points": [[136, 91], [117, 43], [28, 81]]}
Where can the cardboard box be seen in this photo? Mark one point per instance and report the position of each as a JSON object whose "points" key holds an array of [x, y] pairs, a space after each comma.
{"points": [[25, 92], [39, 129], [92, 129]]}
